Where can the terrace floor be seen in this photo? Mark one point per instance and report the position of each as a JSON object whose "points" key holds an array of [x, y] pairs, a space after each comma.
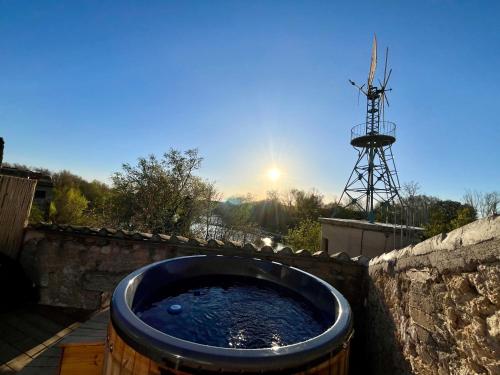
{"points": [[30, 337]]}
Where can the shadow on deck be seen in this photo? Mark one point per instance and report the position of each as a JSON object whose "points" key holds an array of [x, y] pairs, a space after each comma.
{"points": [[27, 332]]}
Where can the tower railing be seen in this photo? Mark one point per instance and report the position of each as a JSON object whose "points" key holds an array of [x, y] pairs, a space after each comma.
{"points": [[384, 128]]}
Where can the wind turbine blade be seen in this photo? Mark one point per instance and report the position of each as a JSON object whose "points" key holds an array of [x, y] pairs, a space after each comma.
{"points": [[373, 63], [387, 100], [382, 107], [388, 76], [385, 66]]}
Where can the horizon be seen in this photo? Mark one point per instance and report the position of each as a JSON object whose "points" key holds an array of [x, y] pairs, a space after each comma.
{"points": [[261, 89]]}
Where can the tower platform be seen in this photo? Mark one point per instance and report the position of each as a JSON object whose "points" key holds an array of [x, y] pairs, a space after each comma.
{"points": [[385, 136]]}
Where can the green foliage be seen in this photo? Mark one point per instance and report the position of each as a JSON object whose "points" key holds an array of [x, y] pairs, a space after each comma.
{"points": [[165, 195], [277, 214], [159, 195], [69, 206], [52, 209], [341, 212], [271, 214], [36, 214], [448, 215], [307, 205], [95, 193], [465, 215], [236, 215], [306, 235]]}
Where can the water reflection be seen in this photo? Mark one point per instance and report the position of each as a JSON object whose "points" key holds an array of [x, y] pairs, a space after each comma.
{"points": [[268, 241], [217, 230]]}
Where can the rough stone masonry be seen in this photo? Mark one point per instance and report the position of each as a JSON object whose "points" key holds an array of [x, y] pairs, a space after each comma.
{"points": [[432, 308]]}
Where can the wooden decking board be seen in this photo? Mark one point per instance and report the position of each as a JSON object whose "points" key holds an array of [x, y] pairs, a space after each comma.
{"points": [[63, 317], [27, 328], [7, 352], [19, 362], [25, 344], [91, 333], [36, 371], [27, 333], [97, 325], [8, 332], [35, 350], [4, 369], [43, 323]]}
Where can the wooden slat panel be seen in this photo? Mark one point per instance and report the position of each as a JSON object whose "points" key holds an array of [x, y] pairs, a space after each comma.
{"points": [[82, 360], [16, 196], [141, 364], [120, 359]]}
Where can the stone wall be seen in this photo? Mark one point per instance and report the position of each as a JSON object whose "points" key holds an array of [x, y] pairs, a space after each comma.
{"points": [[434, 308], [79, 266]]}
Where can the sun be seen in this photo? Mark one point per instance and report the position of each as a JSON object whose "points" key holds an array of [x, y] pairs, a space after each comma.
{"points": [[274, 174]]}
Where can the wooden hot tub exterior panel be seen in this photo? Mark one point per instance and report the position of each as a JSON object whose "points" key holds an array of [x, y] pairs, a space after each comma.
{"points": [[121, 359]]}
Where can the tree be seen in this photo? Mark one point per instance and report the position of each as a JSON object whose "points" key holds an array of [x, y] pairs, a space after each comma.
{"points": [[68, 206], [485, 204], [306, 236], [307, 204], [409, 195], [36, 214], [344, 211], [448, 215], [209, 220], [236, 217], [465, 215], [95, 192], [271, 214], [98, 195], [159, 195], [410, 189]]}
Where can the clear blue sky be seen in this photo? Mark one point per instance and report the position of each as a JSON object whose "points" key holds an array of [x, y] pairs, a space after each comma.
{"points": [[88, 85]]}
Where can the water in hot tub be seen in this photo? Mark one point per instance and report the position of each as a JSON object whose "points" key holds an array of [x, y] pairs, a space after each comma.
{"points": [[234, 313]]}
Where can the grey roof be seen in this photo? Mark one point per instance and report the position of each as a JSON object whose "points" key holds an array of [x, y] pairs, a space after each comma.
{"points": [[364, 224]]}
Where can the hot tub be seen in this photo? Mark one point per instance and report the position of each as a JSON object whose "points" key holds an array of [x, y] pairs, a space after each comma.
{"points": [[136, 347]]}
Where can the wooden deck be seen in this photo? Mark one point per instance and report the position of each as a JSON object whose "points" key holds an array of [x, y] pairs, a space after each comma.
{"points": [[29, 338]]}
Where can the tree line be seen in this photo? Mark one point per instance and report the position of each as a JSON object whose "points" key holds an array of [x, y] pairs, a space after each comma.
{"points": [[165, 195]]}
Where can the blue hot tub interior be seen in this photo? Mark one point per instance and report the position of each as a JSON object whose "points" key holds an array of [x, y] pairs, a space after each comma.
{"points": [[233, 312], [266, 293]]}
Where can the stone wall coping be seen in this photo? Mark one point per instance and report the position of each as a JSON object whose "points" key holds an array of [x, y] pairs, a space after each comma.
{"points": [[482, 230], [181, 241], [364, 224]]}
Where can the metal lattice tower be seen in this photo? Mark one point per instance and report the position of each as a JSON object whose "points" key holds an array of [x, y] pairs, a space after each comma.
{"points": [[374, 181]]}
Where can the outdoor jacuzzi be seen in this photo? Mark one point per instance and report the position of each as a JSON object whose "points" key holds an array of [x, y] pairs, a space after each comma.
{"points": [[222, 314]]}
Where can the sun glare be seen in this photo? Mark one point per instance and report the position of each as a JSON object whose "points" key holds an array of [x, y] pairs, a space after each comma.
{"points": [[274, 174]]}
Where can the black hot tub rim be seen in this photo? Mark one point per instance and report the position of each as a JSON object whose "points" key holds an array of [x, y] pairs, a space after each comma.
{"points": [[178, 353]]}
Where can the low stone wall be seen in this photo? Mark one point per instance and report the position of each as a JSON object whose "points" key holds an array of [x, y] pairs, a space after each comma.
{"points": [[434, 308], [79, 266]]}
